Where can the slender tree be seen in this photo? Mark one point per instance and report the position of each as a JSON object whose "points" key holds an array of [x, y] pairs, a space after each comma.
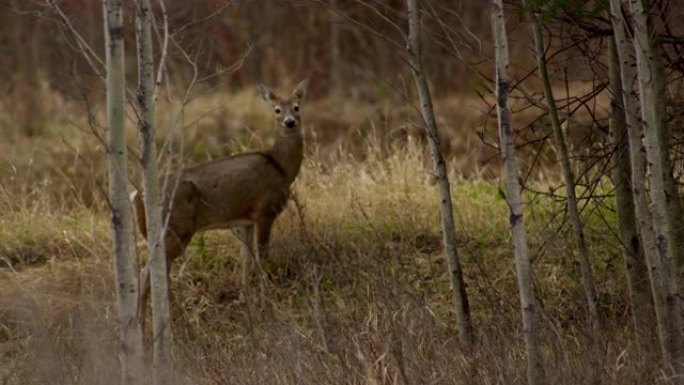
{"points": [[124, 257], [446, 209], [586, 275], [647, 47], [335, 55], [652, 80], [664, 197], [628, 233], [528, 302], [161, 320], [652, 252]]}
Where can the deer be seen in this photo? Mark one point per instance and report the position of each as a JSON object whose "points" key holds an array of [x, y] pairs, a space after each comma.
{"points": [[245, 191]]}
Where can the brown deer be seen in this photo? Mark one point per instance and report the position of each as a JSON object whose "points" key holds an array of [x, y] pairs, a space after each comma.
{"points": [[246, 191]]}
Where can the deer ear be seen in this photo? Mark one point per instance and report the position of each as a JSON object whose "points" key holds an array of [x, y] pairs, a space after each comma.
{"points": [[265, 93], [300, 91]]}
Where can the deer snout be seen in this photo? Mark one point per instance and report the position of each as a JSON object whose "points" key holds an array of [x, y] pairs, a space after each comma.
{"points": [[289, 122]]}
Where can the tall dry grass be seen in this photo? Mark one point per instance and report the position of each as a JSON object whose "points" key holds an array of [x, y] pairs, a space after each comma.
{"points": [[354, 291]]}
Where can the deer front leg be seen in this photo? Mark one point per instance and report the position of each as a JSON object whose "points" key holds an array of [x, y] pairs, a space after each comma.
{"points": [[246, 235], [263, 235]]}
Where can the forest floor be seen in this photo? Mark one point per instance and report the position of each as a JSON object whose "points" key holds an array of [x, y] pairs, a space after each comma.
{"points": [[355, 290]]}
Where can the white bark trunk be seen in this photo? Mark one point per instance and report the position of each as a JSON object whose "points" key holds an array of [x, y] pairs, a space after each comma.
{"points": [[335, 57], [586, 272], [528, 302], [633, 254], [124, 256], [446, 210], [652, 254], [161, 319], [663, 199]]}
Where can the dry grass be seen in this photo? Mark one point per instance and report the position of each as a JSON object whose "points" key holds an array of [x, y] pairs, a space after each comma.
{"points": [[354, 291]]}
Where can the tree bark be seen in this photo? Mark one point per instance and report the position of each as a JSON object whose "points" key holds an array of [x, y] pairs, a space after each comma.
{"points": [[652, 84], [673, 202], [528, 302], [652, 254], [586, 272], [633, 253], [125, 261], [335, 55], [161, 319], [665, 201], [446, 210]]}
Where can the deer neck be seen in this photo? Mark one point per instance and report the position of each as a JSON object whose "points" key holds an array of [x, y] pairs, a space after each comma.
{"points": [[288, 152]]}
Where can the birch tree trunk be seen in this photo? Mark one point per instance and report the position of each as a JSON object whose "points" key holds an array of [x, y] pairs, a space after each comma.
{"points": [[649, 63], [633, 253], [161, 319], [654, 100], [335, 57], [446, 210], [125, 262], [664, 200], [586, 272], [652, 252], [528, 302]]}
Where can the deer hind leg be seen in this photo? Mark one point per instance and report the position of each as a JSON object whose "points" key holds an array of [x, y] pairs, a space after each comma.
{"points": [[174, 246]]}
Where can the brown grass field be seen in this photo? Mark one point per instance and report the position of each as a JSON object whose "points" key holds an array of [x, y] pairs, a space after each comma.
{"points": [[355, 290]]}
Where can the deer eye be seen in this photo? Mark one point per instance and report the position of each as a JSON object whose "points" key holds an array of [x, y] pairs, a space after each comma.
{"points": [[278, 110], [296, 108]]}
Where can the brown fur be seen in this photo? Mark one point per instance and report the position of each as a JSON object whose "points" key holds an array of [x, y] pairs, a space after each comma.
{"points": [[247, 190], [139, 210]]}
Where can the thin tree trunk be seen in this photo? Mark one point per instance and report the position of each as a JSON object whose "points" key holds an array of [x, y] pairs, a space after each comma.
{"points": [[161, 319], [649, 63], [633, 253], [652, 255], [124, 257], [335, 56], [586, 272], [674, 213], [446, 210], [528, 302], [663, 199], [674, 203]]}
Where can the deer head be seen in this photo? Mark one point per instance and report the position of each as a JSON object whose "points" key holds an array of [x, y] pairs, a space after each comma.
{"points": [[286, 110]]}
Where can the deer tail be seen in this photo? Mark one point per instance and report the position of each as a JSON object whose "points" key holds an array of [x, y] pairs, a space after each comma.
{"points": [[139, 212]]}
